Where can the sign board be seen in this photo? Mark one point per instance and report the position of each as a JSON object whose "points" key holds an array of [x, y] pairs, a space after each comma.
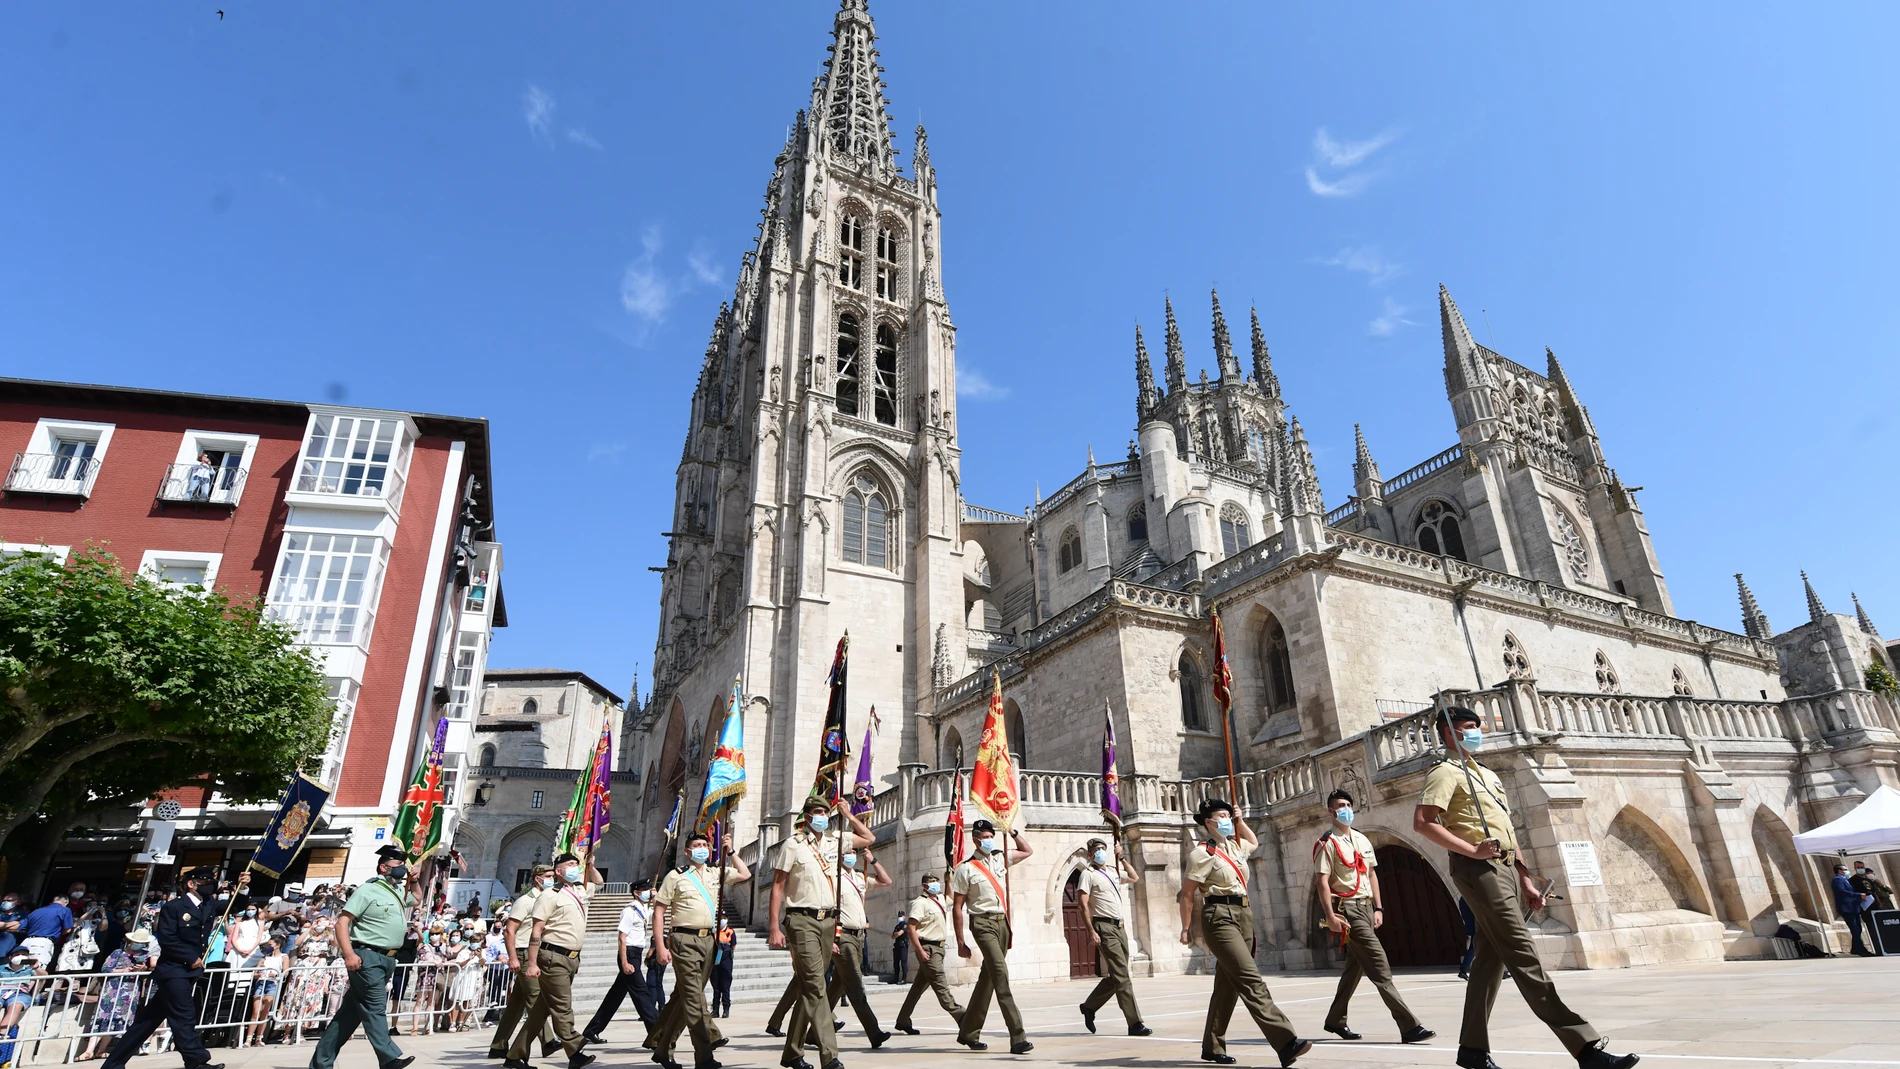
{"points": [[154, 859], [378, 828], [159, 836], [1580, 864]]}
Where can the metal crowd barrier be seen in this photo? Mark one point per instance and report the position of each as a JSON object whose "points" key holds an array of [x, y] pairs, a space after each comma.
{"points": [[73, 1013]]}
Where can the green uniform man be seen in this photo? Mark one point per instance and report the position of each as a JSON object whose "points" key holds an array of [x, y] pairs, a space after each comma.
{"points": [[1102, 904], [1463, 810], [977, 888], [1217, 871], [927, 925], [1349, 902], [804, 917], [684, 908], [369, 932]]}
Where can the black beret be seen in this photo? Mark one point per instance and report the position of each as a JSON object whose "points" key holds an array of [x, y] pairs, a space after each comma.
{"points": [[1210, 807], [202, 872], [981, 825], [392, 852]]}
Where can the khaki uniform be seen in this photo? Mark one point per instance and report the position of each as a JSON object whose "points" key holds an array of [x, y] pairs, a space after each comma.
{"points": [[1227, 929], [688, 894], [1347, 859], [1491, 889], [981, 885], [847, 965], [526, 989], [1107, 915], [562, 913], [930, 916], [810, 864]]}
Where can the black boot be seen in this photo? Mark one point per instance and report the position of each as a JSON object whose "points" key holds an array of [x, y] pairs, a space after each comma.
{"points": [[1595, 1056], [1473, 1058]]}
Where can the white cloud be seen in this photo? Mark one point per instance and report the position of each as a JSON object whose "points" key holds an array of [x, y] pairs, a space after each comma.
{"points": [[700, 263], [537, 109], [1389, 321], [580, 136], [973, 385], [644, 289], [605, 451], [1368, 261], [1331, 172]]}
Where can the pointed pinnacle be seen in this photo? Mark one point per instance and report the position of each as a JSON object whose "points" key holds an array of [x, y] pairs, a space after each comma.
{"points": [[1866, 623], [1177, 362], [1262, 361], [1463, 368], [1754, 621], [1223, 342], [1816, 611]]}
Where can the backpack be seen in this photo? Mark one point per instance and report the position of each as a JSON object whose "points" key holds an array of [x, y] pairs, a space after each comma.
{"points": [[1802, 946]]}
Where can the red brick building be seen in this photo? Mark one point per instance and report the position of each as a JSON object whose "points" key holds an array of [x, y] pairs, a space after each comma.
{"points": [[371, 531]]}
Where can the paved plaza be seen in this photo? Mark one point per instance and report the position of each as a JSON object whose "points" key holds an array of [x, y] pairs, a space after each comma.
{"points": [[1836, 1012]]}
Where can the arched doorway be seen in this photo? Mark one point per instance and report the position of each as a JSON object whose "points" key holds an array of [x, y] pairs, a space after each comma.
{"points": [[1421, 926], [1076, 930]]}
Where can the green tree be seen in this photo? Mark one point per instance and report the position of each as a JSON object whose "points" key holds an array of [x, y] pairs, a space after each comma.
{"points": [[113, 689], [1880, 680]]}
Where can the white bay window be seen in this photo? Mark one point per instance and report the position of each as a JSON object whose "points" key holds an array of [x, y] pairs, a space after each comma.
{"points": [[328, 584]]}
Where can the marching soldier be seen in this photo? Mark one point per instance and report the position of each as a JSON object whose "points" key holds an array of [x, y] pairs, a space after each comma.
{"points": [[685, 910], [1463, 810], [369, 931], [1217, 867], [978, 891], [1102, 904], [183, 928], [805, 917], [526, 989], [1349, 900], [554, 957], [847, 960], [926, 924]]}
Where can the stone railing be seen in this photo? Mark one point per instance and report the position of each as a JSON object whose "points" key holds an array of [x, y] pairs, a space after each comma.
{"points": [[1258, 559], [1418, 471], [887, 806], [1335, 517], [980, 638], [1844, 712], [1603, 714], [1239, 473], [1081, 789], [977, 514], [1736, 721], [1176, 575]]}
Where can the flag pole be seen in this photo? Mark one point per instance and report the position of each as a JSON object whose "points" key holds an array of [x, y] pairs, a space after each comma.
{"points": [[719, 910], [1226, 715], [679, 803]]}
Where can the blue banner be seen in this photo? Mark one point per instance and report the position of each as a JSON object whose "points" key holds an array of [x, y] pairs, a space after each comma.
{"points": [[293, 822]]}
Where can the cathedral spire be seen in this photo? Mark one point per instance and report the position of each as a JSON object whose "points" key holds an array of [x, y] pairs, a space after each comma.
{"points": [[1177, 363], [1262, 362], [1816, 611], [1145, 393], [1464, 368], [1866, 622], [856, 118], [1307, 470], [1574, 412], [1224, 345], [1365, 470], [1754, 621]]}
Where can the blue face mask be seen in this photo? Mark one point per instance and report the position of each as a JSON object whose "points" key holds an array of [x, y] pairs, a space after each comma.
{"points": [[700, 854], [819, 822], [934, 888], [991, 845], [1343, 815], [1101, 857], [1471, 739], [851, 861], [1225, 825], [572, 874]]}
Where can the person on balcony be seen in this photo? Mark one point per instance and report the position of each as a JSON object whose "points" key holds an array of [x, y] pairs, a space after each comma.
{"points": [[1349, 900], [199, 478]]}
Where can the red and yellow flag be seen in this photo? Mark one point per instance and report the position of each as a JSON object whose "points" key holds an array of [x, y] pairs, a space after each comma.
{"points": [[1223, 675], [993, 783]]}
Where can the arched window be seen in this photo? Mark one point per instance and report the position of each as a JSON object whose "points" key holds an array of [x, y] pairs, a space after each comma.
{"points": [[1257, 444], [1517, 663], [488, 756], [530, 707], [1138, 524], [1607, 682], [1234, 533], [849, 346], [952, 756], [851, 251], [1070, 555], [884, 394], [1438, 530], [1570, 542], [1276, 664], [1679, 684], [1192, 716], [1018, 737], [866, 525], [887, 245]]}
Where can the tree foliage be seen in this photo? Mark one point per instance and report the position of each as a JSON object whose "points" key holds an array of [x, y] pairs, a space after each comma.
{"points": [[113, 689]]}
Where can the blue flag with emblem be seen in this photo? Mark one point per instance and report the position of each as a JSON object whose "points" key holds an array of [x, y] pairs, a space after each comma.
{"points": [[725, 777], [290, 826]]}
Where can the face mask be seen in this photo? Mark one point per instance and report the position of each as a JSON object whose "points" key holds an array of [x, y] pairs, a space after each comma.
{"points": [[1471, 739], [851, 861], [1344, 816], [397, 873], [1101, 857], [991, 845], [646, 896], [572, 874], [933, 887], [250, 913], [545, 882], [1224, 825], [819, 822], [700, 854]]}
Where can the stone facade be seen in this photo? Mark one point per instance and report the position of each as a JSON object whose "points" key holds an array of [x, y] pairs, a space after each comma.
{"points": [[1513, 571]]}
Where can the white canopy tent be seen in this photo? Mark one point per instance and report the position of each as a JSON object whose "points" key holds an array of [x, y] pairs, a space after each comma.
{"points": [[1873, 827]]}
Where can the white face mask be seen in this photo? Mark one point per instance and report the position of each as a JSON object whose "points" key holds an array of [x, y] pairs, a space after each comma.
{"points": [[545, 882], [646, 896], [934, 888], [1101, 857], [991, 845], [851, 861]]}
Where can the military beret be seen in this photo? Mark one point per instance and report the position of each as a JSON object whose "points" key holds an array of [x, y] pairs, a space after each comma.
{"points": [[981, 825], [392, 852], [1212, 806], [202, 872]]}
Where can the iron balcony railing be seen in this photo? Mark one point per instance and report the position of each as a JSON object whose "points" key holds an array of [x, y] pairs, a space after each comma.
{"points": [[52, 473], [202, 484]]}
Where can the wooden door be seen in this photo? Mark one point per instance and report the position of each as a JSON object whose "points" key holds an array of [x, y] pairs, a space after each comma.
{"points": [[1422, 926], [1075, 928]]}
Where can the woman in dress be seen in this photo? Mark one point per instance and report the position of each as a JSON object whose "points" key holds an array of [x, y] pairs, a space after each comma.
{"points": [[119, 993], [429, 961], [465, 983]]}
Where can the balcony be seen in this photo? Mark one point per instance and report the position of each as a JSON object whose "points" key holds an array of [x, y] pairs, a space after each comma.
{"points": [[62, 474], [328, 625], [202, 484]]}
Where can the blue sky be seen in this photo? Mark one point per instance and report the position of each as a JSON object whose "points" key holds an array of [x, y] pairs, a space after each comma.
{"points": [[531, 215]]}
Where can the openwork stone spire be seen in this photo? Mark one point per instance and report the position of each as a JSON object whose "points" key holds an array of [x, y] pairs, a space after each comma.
{"points": [[1816, 611], [1146, 396], [1364, 468], [856, 117], [1177, 361], [1305, 469], [1224, 345], [1262, 362], [1464, 368], [1866, 622], [1754, 621]]}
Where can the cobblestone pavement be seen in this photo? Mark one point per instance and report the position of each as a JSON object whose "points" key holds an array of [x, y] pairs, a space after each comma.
{"points": [[1737, 1015]]}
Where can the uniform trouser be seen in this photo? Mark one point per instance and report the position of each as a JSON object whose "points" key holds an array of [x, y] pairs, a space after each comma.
{"points": [[625, 983], [930, 975], [810, 938], [365, 1003], [776, 1022], [555, 1004], [1491, 890], [847, 980], [991, 933], [1111, 957], [171, 1001], [1228, 930], [686, 1010], [521, 996], [900, 960], [1365, 956]]}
